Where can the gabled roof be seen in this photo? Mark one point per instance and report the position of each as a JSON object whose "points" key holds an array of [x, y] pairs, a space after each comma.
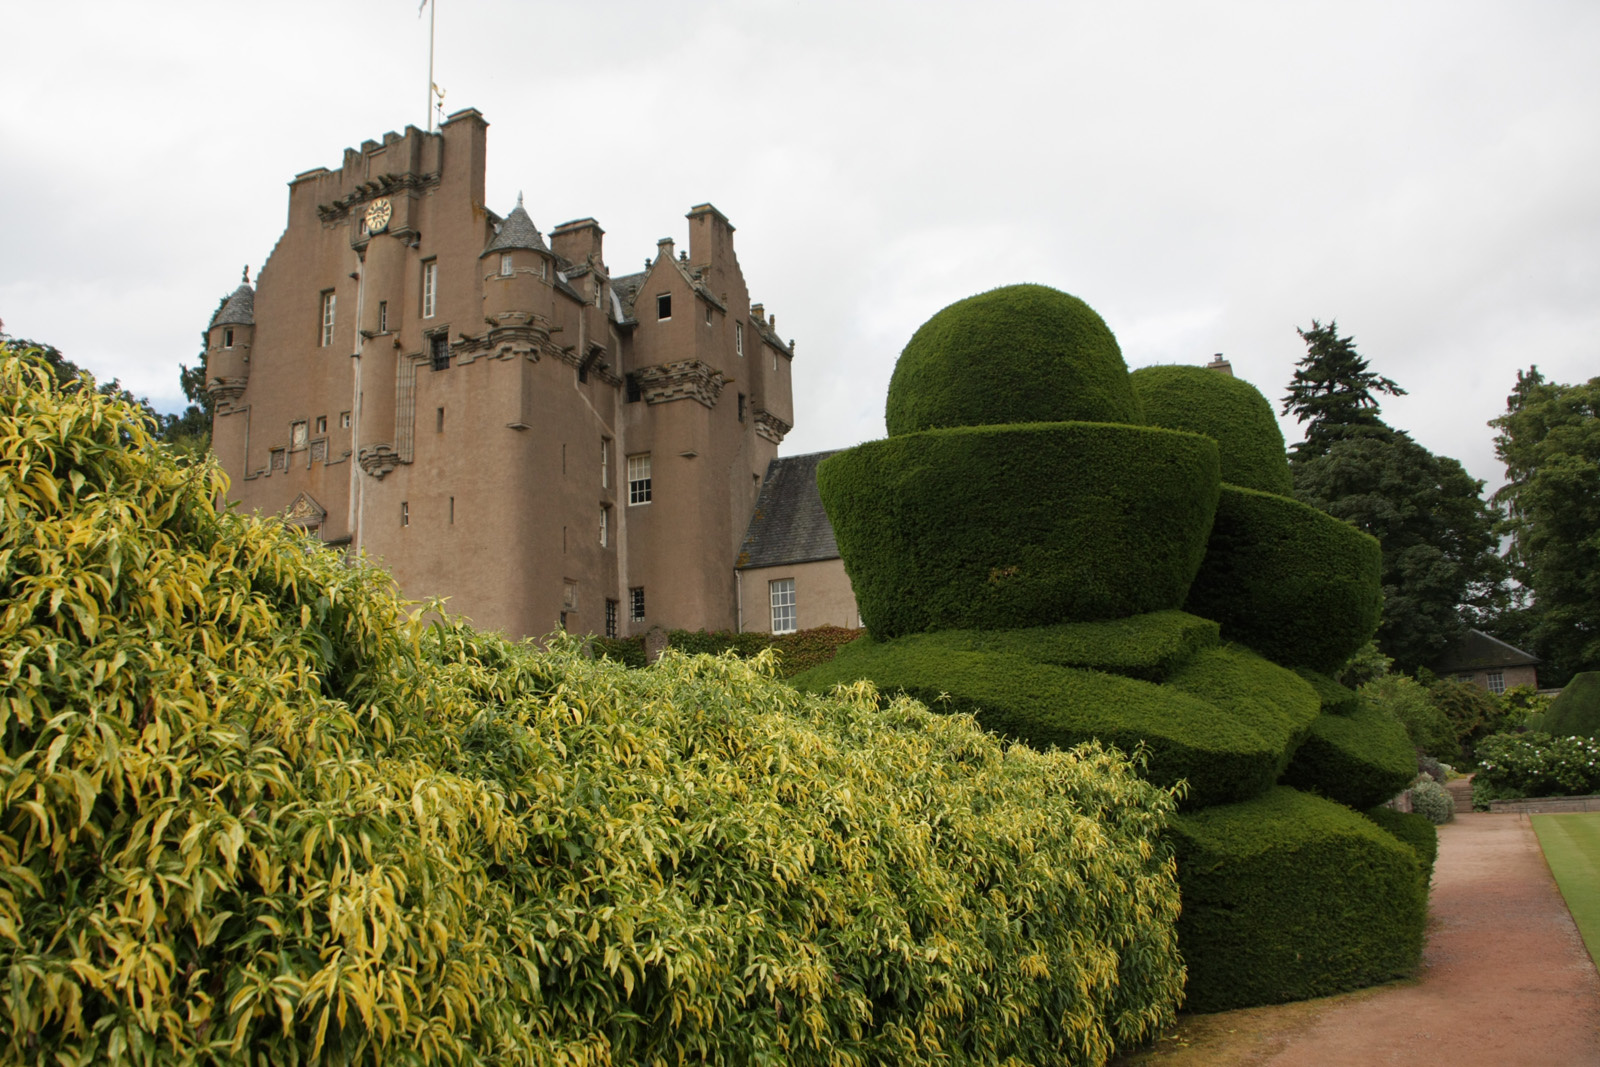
{"points": [[1477, 651], [517, 231], [790, 524], [626, 290], [240, 310]]}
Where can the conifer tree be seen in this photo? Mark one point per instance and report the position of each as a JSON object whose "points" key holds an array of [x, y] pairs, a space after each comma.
{"points": [[1333, 391]]}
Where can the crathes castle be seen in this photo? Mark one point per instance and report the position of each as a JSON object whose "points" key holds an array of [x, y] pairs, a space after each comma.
{"points": [[500, 420]]}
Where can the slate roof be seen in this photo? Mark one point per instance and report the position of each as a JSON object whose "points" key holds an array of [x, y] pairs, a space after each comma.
{"points": [[626, 289], [789, 524], [240, 310], [517, 231], [1477, 651]]}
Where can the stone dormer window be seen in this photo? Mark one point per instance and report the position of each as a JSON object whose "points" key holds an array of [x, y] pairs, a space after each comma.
{"points": [[664, 307], [506, 269]]}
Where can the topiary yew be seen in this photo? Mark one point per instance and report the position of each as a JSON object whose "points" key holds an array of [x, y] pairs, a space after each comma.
{"points": [[1229, 410], [1022, 353]]}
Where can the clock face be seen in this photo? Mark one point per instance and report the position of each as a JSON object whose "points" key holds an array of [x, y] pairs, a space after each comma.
{"points": [[378, 213]]}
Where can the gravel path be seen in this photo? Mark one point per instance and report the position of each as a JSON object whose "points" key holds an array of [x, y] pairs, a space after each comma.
{"points": [[1505, 981]]}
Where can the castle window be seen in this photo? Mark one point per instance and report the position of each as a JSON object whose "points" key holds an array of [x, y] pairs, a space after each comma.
{"points": [[438, 421], [405, 513], [569, 595], [297, 435], [452, 511], [430, 287], [781, 596], [1497, 682], [383, 316], [227, 337], [439, 351], [505, 264], [639, 479], [605, 463], [741, 407], [328, 302], [664, 307], [344, 420], [605, 526], [636, 604], [634, 393], [738, 339], [708, 314], [322, 424], [611, 618]]}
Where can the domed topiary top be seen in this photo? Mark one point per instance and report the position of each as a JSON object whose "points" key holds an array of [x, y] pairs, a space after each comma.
{"points": [[1230, 411], [1022, 353]]}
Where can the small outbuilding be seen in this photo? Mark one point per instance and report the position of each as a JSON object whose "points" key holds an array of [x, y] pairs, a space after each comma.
{"points": [[1487, 662]]}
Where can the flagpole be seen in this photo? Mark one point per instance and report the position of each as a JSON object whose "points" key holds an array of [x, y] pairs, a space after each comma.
{"points": [[433, 13]]}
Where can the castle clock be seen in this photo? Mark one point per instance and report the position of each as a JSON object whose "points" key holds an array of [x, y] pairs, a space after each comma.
{"points": [[378, 213]]}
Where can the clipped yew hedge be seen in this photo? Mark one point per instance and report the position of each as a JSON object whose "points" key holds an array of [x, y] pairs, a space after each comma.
{"points": [[1227, 736], [1022, 353], [1360, 760], [1575, 712], [1229, 410], [252, 811], [1293, 583], [1018, 526], [1418, 831], [1290, 896], [1149, 646], [1337, 698]]}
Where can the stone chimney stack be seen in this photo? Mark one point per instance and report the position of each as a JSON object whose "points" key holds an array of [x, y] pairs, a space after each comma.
{"points": [[1219, 364]]}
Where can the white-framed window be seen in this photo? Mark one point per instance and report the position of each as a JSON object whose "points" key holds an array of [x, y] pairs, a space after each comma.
{"points": [[405, 513], [605, 527], [780, 594], [344, 420], [605, 463], [505, 265], [329, 302], [1497, 682], [636, 604], [430, 288], [708, 314], [664, 306], [639, 479], [383, 316], [322, 424], [738, 339]]}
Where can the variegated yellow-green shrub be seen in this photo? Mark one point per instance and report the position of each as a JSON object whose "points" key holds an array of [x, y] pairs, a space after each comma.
{"points": [[253, 811]]}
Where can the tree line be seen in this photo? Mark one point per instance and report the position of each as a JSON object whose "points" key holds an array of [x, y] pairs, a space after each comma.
{"points": [[1522, 565]]}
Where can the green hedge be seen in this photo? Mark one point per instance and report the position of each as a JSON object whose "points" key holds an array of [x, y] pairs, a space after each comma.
{"points": [[1289, 896], [1018, 526], [1225, 726], [798, 651], [1418, 831], [255, 811], [1337, 699], [1359, 760], [1229, 410], [1429, 728], [1023, 353], [1575, 712], [1295, 584], [1149, 646]]}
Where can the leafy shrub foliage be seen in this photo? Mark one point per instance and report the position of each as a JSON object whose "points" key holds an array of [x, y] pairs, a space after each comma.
{"points": [[1425, 722], [1575, 711], [1472, 711], [1226, 409], [251, 811], [1289, 896], [1019, 526], [1536, 764], [1022, 353], [1296, 585], [1432, 801], [1415, 830], [1224, 724], [1360, 760]]}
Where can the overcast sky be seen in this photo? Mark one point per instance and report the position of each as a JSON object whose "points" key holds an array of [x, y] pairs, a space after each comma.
{"points": [[1208, 176]]}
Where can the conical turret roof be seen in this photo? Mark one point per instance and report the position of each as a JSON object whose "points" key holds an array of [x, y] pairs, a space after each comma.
{"points": [[517, 231], [240, 310]]}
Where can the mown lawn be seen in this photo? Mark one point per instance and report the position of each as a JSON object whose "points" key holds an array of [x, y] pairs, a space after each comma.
{"points": [[1571, 844]]}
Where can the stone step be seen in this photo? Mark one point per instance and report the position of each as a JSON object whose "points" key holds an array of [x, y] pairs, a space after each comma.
{"points": [[1460, 790]]}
